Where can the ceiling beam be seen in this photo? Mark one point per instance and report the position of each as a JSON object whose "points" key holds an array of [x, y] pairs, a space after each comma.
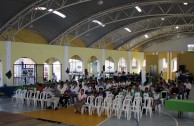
{"points": [[109, 16]]}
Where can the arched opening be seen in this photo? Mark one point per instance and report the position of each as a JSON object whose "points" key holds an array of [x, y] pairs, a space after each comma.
{"points": [[174, 65], [1, 70], [134, 63], [93, 66], [109, 65], [122, 65], [24, 71], [52, 70], [76, 67]]}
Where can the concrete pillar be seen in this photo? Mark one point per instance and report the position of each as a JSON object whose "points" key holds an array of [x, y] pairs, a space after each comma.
{"points": [[50, 70], [129, 62], [103, 59], [143, 75], [141, 61], [65, 76], [8, 65]]}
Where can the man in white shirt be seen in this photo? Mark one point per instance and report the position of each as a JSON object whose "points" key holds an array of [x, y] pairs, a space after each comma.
{"points": [[74, 89], [188, 88]]}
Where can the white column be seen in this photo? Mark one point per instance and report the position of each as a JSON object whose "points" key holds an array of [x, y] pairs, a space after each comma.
{"points": [[143, 75], [66, 62], [103, 59], [8, 61], [143, 72], [141, 60], [129, 61]]}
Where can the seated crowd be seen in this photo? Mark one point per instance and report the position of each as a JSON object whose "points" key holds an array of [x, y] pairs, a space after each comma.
{"points": [[75, 92]]}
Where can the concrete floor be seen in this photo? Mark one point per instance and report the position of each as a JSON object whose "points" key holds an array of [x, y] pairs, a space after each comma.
{"points": [[165, 118]]}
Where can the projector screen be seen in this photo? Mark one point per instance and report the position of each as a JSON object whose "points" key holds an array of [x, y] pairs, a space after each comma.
{"points": [[190, 47]]}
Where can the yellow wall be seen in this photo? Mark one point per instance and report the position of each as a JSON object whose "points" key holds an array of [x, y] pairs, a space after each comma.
{"points": [[151, 60], [187, 59], [75, 43], [136, 55], [3, 58], [41, 52], [105, 44], [26, 36], [85, 54]]}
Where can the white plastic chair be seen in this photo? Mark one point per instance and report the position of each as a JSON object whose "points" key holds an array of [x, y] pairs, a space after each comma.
{"points": [[41, 99], [110, 95], [136, 107], [128, 96], [126, 108], [22, 98], [137, 94], [148, 102], [16, 95], [35, 97], [89, 103], [97, 105], [117, 103], [29, 97], [120, 96], [106, 106]]}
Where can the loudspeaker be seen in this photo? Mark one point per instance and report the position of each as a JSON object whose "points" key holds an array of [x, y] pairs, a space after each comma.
{"points": [[103, 68], [8, 74], [86, 71]]}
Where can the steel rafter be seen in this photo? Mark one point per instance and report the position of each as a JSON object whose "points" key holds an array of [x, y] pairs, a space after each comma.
{"points": [[21, 20], [163, 38], [147, 25], [126, 12], [160, 32]]}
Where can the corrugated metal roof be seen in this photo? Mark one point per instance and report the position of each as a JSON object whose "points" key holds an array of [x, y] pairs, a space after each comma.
{"points": [[116, 14]]}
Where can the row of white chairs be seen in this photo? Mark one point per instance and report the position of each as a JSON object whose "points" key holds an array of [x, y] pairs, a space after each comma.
{"points": [[30, 97], [118, 105]]}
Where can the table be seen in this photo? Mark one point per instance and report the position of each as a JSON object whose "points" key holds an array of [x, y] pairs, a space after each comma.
{"points": [[180, 106]]}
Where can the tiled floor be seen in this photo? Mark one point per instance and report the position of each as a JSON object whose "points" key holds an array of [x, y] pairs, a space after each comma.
{"points": [[165, 118], [7, 106]]}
